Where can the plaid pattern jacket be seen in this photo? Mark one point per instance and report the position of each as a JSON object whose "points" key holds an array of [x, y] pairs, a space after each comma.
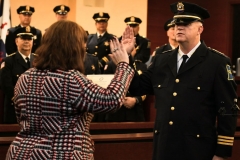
{"points": [[54, 110]]}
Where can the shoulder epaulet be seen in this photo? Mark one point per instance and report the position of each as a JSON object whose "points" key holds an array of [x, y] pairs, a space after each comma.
{"points": [[34, 54], [11, 54], [167, 51], [218, 52]]}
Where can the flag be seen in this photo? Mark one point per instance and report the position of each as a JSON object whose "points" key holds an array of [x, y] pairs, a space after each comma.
{"points": [[5, 23]]}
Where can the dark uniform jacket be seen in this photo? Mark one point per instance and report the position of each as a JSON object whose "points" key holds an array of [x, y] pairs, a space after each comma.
{"points": [[10, 44], [159, 50], [135, 114], [91, 65], [14, 66], [163, 48], [143, 50], [100, 47], [188, 103]]}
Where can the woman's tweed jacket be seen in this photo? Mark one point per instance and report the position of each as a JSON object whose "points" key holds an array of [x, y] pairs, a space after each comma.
{"points": [[54, 110]]}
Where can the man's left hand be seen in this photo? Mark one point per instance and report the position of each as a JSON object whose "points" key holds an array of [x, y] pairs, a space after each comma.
{"points": [[129, 102]]}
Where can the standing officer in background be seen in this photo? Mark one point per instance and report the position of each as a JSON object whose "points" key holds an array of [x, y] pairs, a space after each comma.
{"points": [[13, 66], [196, 100], [91, 63], [169, 27], [61, 12], [132, 109], [25, 16], [142, 49], [98, 43]]}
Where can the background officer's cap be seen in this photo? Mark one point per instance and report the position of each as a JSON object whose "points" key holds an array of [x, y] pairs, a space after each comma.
{"points": [[101, 17], [168, 24], [61, 9], [186, 13], [25, 32], [133, 20], [27, 10]]}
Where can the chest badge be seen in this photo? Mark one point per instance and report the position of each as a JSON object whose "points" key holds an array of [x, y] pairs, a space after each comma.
{"points": [[106, 43], [93, 67]]}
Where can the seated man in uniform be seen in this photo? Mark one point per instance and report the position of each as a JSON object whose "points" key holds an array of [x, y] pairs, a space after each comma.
{"points": [[13, 66], [25, 17]]}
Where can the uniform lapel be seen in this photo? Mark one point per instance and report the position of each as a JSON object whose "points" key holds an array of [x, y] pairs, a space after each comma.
{"points": [[95, 39], [172, 62], [21, 60], [31, 59], [197, 57]]}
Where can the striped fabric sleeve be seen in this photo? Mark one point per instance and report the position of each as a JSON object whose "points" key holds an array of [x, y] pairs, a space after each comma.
{"points": [[95, 99]]}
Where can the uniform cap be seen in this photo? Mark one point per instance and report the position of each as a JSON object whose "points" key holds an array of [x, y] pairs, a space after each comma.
{"points": [[28, 10], [185, 13], [101, 16], [168, 24], [25, 32], [61, 9], [133, 20]]}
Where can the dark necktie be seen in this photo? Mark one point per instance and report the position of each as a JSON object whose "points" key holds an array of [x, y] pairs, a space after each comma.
{"points": [[99, 37], [185, 57], [28, 61]]}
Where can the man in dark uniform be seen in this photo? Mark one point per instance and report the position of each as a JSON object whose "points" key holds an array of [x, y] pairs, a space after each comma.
{"points": [[13, 66], [142, 49], [98, 43], [61, 12], [25, 16], [172, 43], [132, 109], [196, 98]]}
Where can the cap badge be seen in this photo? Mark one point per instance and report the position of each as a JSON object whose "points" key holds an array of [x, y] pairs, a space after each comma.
{"points": [[132, 19], [62, 7], [28, 29], [101, 14], [180, 7], [27, 8]]}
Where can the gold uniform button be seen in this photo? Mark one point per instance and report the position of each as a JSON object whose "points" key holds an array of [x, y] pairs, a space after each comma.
{"points": [[17, 75], [155, 131], [172, 108], [198, 135], [171, 123], [159, 86], [174, 94], [95, 53], [96, 46], [177, 80], [198, 88]]}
